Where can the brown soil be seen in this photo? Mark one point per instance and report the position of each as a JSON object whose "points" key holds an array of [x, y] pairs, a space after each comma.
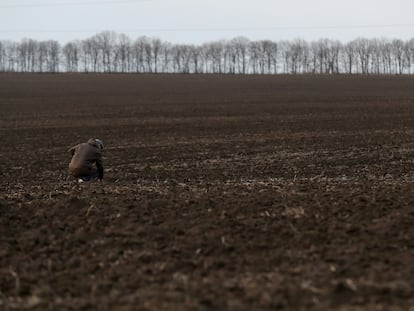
{"points": [[220, 193]]}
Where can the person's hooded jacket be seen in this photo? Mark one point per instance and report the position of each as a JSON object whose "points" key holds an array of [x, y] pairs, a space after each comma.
{"points": [[84, 156]]}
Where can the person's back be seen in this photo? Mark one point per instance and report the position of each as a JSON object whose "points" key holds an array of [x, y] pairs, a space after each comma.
{"points": [[84, 158]]}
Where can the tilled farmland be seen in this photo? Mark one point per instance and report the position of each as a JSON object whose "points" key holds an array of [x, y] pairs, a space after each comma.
{"points": [[220, 193]]}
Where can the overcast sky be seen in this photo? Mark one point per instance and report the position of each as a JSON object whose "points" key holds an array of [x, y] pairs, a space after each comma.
{"points": [[198, 21]]}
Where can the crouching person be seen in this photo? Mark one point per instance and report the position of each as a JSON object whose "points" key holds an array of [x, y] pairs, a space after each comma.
{"points": [[86, 163]]}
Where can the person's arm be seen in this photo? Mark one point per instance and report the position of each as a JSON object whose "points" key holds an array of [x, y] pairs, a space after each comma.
{"points": [[99, 166]]}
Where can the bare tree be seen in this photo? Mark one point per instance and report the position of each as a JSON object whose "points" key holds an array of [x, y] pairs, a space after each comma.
{"points": [[42, 57], [87, 50], [71, 53], [410, 55], [111, 52], [296, 55], [106, 43], [156, 50], [148, 54], [196, 59], [27, 55], [3, 56], [363, 49], [182, 55], [334, 48], [10, 57], [215, 52], [53, 48], [241, 45], [139, 53], [255, 56], [376, 59], [399, 56], [165, 53], [349, 54]]}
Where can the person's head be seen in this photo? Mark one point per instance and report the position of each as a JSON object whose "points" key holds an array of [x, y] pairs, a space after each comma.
{"points": [[99, 143], [96, 142]]}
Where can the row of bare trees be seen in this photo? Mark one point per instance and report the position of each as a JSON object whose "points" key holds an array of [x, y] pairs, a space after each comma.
{"points": [[112, 52]]}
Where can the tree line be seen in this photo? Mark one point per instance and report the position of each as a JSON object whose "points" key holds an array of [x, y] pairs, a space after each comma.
{"points": [[112, 52]]}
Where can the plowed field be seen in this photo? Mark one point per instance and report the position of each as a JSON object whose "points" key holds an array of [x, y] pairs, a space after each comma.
{"points": [[220, 193]]}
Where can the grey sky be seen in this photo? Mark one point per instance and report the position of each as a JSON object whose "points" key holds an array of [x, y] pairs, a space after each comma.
{"points": [[198, 21]]}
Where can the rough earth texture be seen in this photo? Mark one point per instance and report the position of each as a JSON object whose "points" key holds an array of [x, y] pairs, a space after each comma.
{"points": [[220, 193]]}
